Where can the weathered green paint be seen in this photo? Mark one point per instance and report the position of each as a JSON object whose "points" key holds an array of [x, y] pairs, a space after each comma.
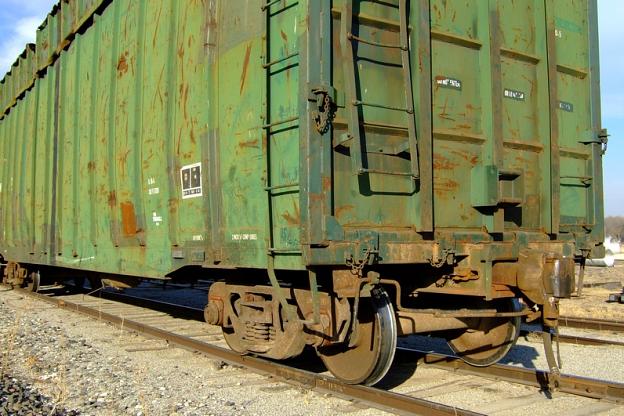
{"points": [[121, 95]]}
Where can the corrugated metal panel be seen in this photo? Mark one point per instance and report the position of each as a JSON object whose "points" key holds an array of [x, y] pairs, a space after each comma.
{"points": [[56, 32], [119, 114]]}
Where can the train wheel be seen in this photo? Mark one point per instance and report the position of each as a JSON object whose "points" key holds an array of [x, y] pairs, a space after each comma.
{"points": [[369, 360], [233, 340], [33, 282], [79, 282], [95, 283], [490, 340]]}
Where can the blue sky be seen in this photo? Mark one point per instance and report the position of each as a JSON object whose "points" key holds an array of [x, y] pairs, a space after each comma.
{"points": [[19, 20]]}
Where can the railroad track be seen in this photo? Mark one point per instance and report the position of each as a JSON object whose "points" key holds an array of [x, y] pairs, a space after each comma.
{"points": [[592, 324], [101, 309], [374, 397], [580, 386], [574, 339]]}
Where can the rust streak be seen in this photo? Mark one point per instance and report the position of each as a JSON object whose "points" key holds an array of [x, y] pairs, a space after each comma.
{"points": [[157, 25], [122, 65], [442, 163], [128, 219], [245, 67], [342, 209], [290, 219], [112, 199], [249, 143]]}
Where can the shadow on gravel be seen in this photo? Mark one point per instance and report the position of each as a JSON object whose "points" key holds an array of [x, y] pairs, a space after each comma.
{"points": [[523, 355], [399, 373], [401, 370], [308, 360]]}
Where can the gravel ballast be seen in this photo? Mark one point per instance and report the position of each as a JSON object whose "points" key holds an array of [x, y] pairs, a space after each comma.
{"points": [[69, 361], [17, 398], [59, 360]]}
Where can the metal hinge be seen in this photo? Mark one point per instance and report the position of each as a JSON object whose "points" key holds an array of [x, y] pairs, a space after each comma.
{"points": [[602, 139]]}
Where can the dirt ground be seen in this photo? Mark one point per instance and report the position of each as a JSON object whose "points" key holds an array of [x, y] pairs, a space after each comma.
{"points": [[599, 282]]}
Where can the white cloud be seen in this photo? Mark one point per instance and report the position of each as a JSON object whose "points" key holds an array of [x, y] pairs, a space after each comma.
{"points": [[23, 32], [19, 20], [30, 7]]}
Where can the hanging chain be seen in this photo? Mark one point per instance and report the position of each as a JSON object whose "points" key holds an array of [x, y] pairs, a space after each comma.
{"points": [[324, 117]]}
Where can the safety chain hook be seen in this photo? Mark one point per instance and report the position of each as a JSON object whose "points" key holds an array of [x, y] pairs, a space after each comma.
{"points": [[357, 265], [445, 258], [326, 111]]}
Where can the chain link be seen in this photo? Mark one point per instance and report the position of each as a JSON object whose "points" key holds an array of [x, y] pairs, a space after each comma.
{"points": [[357, 266], [325, 116]]}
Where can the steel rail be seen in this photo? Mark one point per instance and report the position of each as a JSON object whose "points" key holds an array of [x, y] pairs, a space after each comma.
{"points": [[589, 323], [376, 398], [178, 311], [579, 340], [576, 385], [580, 386], [592, 342]]}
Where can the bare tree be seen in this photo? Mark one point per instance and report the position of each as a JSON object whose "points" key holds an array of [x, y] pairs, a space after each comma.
{"points": [[614, 227]]}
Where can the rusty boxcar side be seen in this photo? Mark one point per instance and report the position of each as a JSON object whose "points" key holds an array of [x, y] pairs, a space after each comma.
{"points": [[424, 155]]}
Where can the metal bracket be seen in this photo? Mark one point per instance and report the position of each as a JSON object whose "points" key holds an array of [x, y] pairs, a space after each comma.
{"points": [[316, 299], [277, 290], [602, 139], [289, 310], [581, 276], [554, 363], [366, 288]]}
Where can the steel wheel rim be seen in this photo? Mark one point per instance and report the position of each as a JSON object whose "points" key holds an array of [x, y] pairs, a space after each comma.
{"points": [[34, 282], [486, 357], [375, 351], [233, 340]]}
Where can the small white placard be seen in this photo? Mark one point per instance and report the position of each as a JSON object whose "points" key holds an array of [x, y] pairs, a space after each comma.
{"points": [[191, 179]]}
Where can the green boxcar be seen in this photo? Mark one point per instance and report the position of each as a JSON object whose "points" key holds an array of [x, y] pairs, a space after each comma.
{"points": [[446, 151]]}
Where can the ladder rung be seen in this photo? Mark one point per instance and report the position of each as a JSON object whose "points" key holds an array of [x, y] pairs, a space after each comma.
{"points": [[351, 36], [288, 185], [271, 3], [387, 107], [279, 122], [277, 61], [386, 172]]}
